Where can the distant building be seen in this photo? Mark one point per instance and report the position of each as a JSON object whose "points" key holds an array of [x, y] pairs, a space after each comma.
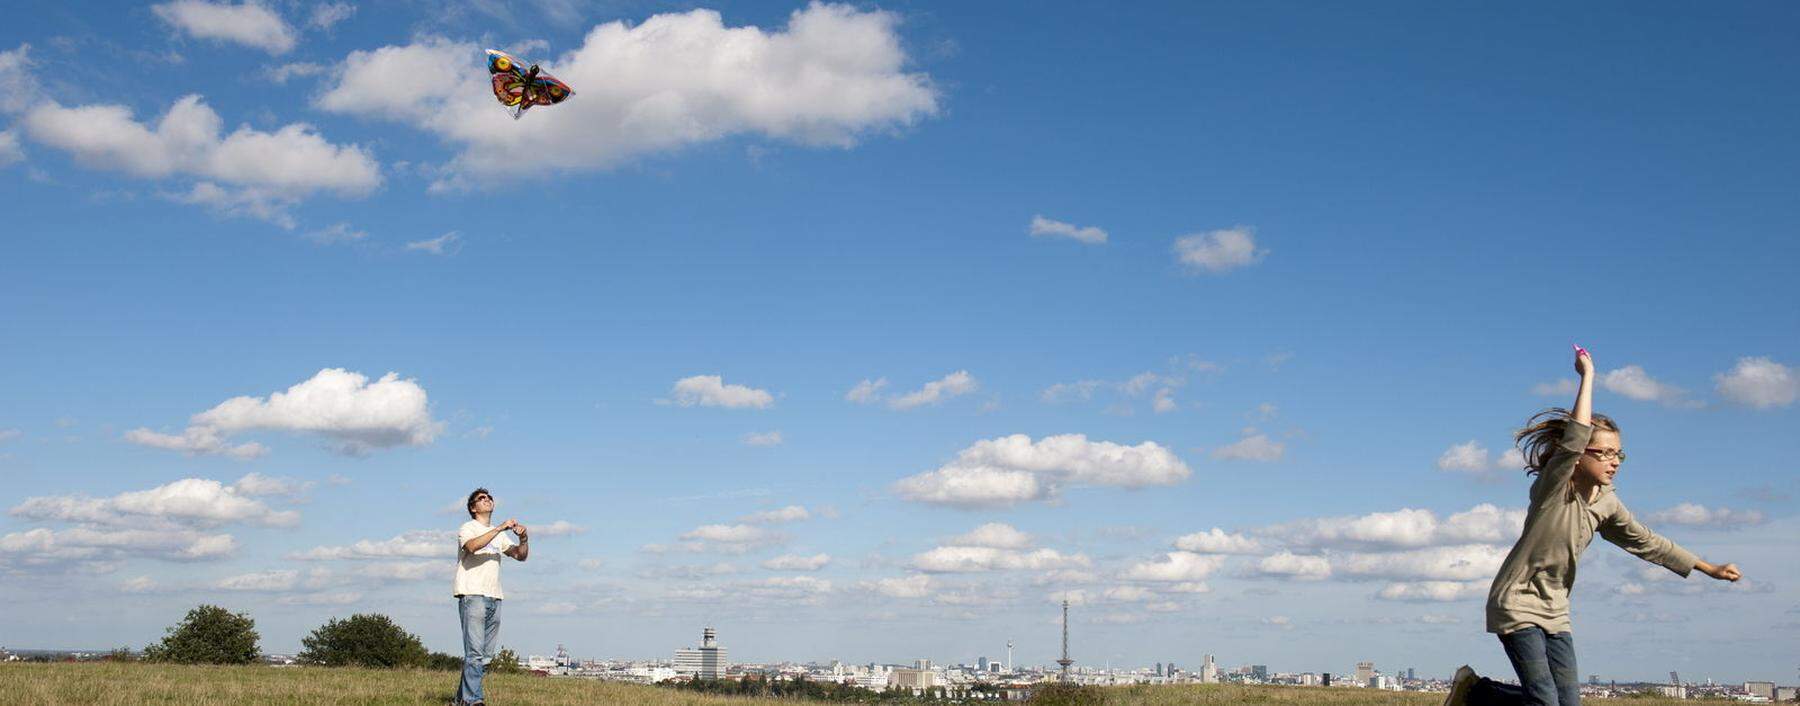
{"points": [[1765, 689], [1787, 693], [1364, 672], [1209, 671], [922, 664], [981, 664], [704, 662], [913, 678], [1260, 672]]}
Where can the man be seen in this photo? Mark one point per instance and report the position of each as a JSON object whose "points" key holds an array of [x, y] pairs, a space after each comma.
{"points": [[477, 588]]}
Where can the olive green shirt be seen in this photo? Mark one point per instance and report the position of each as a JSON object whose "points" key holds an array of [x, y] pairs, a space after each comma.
{"points": [[1533, 585]]}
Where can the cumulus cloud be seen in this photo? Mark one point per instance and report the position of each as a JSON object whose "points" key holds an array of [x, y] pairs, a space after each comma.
{"points": [[247, 172], [1435, 591], [914, 586], [1013, 469], [1176, 567], [953, 385], [1693, 515], [1042, 227], [1219, 251], [866, 392], [790, 513], [559, 528], [730, 539], [1562, 387], [255, 484], [769, 438], [1760, 383], [101, 548], [958, 559], [1218, 541], [417, 544], [287, 72], [1405, 528], [1254, 446], [1294, 566], [797, 562], [10, 152], [357, 415], [998, 535], [832, 75], [1631, 381], [250, 23], [262, 581], [711, 391], [325, 15], [190, 501], [15, 85], [1472, 458], [1465, 562]]}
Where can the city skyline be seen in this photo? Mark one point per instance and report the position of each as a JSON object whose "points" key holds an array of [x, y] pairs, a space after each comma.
{"points": [[878, 331]]}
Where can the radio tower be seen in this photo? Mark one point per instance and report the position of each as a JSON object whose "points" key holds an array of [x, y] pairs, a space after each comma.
{"points": [[1065, 661], [1009, 656]]}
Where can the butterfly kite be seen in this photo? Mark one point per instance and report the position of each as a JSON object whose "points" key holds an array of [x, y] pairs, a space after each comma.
{"points": [[518, 87]]}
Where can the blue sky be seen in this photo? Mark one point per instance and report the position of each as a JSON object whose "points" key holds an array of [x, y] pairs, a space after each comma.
{"points": [[1129, 278]]}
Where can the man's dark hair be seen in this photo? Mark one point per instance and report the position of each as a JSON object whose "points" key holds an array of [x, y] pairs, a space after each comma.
{"points": [[471, 504]]}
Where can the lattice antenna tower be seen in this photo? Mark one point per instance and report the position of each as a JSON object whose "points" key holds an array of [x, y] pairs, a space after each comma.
{"points": [[1065, 661]]}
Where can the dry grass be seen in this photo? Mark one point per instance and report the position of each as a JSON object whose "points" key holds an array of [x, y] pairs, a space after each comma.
{"points": [[131, 684]]}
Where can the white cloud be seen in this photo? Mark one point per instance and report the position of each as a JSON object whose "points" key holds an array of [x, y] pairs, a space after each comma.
{"points": [[711, 391], [768, 438], [138, 584], [1013, 469], [1294, 566], [1468, 456], [797, 562], [190, 501], [1759, 382], [16, 81], [322, 598], [262, 581], [1561, 387], [357, 415], [952, 385], [444, 245], [80, 545], [866, 392], [250, 23], [791, 513], [10, 434], [1220, 250], [958, 559], [247, 172], [1176, 567], [255, 484], [1464, 562], [730, 539], [1042, 227], [998, 535], [1253, 447], [914, 586], [1082, 390], [1217, 541], [1631, 381], [327, 14], [287, 72], [1404, 528], [1693, 515], [1440, 591], [832, 75], [559, 528], [1164, 401], [10, 152], [416, 544]]}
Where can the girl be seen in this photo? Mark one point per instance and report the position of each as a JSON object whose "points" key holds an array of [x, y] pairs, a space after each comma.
{"points": [[1574, 456]]}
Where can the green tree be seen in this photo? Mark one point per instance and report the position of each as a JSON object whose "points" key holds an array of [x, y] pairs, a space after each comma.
{"points": [[208, 635], [443, 662], [362, 640], [507, 662]]}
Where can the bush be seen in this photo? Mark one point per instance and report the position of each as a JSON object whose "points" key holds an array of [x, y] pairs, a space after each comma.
{"points": [[507, 662], [208, 635], [370, 640], [444, 662], [1066, 695]]}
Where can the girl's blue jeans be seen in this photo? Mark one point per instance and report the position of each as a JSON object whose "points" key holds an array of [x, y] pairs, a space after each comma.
{"points": [[1545, 663]]}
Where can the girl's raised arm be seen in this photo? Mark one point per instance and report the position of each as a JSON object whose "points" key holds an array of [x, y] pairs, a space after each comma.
{"points": [[1584, 396]]}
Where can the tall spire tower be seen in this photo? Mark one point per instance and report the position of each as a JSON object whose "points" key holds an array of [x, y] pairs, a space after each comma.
{"points": [[1065, 661]]}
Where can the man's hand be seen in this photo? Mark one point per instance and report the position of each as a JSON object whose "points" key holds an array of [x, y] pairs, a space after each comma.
{"points": [[519, 530], [1727, 572], [509, 524]]}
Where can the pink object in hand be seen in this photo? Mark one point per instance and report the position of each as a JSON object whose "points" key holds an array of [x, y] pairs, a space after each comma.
{"points": [[1579, 351]]}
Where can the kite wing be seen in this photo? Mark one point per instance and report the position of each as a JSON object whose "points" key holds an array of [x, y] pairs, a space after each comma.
{"points": [[518, 90]]}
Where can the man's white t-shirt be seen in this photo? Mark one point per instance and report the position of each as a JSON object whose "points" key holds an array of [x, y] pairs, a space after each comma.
{"points": [[478, 572]]}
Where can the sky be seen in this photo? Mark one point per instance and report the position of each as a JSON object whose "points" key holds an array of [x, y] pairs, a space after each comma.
{"points": [[873, 331]]}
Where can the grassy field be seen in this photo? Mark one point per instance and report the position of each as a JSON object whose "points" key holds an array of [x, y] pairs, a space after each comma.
{"points": [[131, 684]]}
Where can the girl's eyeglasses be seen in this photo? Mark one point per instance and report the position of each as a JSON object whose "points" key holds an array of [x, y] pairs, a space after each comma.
{"points": [[1607, 454]]}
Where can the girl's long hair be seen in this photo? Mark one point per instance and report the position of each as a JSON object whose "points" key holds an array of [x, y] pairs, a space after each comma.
{"points": [[1537, 441]]}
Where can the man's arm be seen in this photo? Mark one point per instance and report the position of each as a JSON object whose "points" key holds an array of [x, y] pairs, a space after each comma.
{"points": [[523, 549], [477, 543]]}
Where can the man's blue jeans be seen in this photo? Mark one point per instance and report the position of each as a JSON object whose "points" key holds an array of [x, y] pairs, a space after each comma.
{"points": [[1546, 666], [481, 641]]}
